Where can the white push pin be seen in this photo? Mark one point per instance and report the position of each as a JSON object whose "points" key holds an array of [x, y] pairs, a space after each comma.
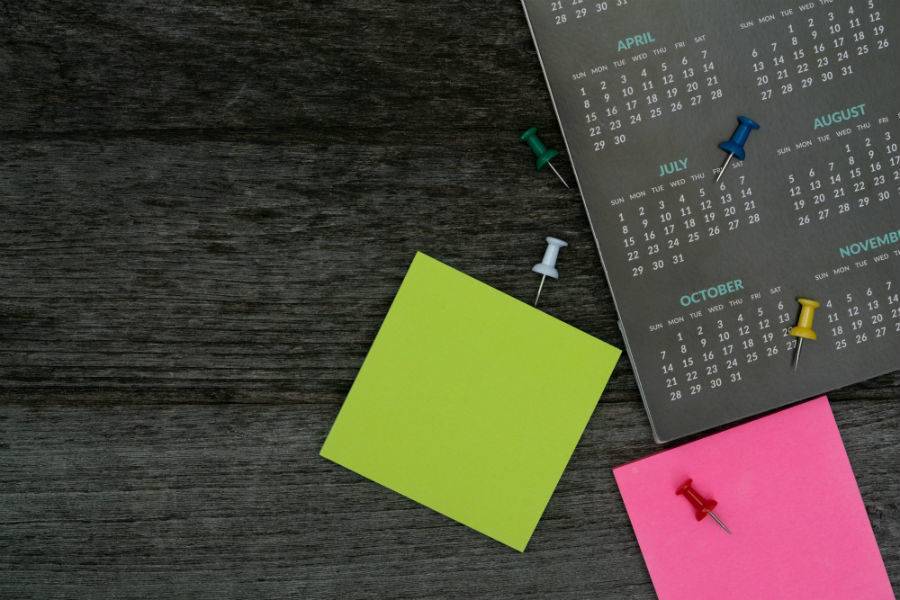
{"points": [[547, 267]]}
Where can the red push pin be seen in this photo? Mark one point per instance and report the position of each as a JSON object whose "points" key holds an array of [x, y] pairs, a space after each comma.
{"points": [[704, 507]]}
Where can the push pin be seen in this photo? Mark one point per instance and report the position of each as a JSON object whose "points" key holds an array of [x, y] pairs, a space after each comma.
{"points": [[544, 154], [547, 267], [735, 146], [702, 505], [804, 328]]}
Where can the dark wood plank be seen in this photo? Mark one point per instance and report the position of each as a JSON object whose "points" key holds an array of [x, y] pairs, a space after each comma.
{"points": [[225, 265], [208, 207], [233, 501], [319, 72]]}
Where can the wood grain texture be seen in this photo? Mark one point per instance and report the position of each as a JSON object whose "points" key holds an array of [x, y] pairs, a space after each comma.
{"points": [[211, 501], [207, 208]]}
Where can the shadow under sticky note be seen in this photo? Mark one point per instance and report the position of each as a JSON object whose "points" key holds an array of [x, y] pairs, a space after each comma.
{"points": [[470, 402], [785, 487]]}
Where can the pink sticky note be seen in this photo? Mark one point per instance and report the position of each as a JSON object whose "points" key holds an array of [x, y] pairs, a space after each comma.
{"points": [[786, 490]]}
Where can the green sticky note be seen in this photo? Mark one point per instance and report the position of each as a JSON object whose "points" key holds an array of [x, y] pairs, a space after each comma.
{"points": [[470, 402]]}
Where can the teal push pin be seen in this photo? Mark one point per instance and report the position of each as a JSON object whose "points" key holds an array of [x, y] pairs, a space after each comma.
{"points": [[544, 154], [735, 146]]}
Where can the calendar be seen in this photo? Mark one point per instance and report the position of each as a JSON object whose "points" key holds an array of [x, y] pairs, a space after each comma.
{"points": [[706, 275]]}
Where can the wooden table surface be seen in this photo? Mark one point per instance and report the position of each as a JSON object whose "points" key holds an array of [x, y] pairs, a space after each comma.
{"points": [[207, 209]]}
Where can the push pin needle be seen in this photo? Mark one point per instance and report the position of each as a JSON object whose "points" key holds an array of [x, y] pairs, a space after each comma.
{"points": [[544, 155], [716, 518], [540, 289], [702, 506], [547, 267], [552, 168], [725, 166], [803, 330], [735, 146]]}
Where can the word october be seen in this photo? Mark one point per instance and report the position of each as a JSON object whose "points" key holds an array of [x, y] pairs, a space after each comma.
{"points": [[711, 293]]}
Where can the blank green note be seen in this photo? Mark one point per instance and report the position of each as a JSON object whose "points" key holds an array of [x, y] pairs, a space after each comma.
{"points": [[470, 402]]}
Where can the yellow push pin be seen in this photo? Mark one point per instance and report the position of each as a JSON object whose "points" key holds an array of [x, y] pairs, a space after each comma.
{"points": [[804, 328]]}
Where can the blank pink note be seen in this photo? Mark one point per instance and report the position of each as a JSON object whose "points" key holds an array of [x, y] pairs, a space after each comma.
{"points": [[786, 490]]}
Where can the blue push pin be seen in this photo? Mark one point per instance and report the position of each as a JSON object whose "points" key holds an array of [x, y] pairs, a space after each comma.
{"points": [[735, 146], [547, 267], [544, 155]]}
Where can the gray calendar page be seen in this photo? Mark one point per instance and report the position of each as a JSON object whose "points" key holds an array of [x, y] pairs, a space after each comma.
{"points": [[706, 276]]}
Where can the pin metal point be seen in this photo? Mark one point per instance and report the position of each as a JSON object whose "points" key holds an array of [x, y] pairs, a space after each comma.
{"points": [[540, 289], [547, 266], [796, 360], [549, 164], [544, 155], [725, 166], [803, 330], [716, 518], [702, 506], [735, 146]]}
